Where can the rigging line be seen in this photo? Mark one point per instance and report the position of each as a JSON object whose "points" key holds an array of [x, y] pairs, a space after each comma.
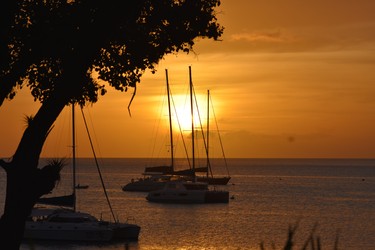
{"points": [[70, 124], [59, 129], [221, 143], [204, 138], [180, 129], [164, 137], [155, 133], [93, 130], [97, 167]]}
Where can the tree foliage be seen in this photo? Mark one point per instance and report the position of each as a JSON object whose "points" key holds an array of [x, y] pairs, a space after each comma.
{"points": [[63, 50], [64, 47]]}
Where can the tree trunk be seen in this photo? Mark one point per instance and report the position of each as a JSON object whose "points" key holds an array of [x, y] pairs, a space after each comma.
{"points": [[25, 182]]}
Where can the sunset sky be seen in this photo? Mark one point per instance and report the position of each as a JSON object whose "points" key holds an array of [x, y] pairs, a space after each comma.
{"points": [[289, 79]]}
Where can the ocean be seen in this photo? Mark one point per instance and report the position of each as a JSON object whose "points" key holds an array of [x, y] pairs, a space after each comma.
{"points": [[331, 199]]}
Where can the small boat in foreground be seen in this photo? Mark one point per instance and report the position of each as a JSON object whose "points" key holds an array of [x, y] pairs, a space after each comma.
{"points": [[79, 186]]}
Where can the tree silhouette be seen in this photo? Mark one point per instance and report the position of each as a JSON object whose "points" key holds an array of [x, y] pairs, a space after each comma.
{"points": [[60, 49]]}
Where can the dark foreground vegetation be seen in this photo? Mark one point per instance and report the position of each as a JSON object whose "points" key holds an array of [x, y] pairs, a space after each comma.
{"points": [[313, 242]]}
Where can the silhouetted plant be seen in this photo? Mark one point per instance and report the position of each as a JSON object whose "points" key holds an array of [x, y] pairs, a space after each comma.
{"points": [[50, 172], [312, 242], [28, 119]]}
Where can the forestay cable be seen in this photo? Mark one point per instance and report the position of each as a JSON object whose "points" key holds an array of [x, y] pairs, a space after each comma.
{"points": [[97, 167]]}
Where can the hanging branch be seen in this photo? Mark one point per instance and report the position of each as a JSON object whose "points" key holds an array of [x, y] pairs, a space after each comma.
{"points": [[131, 100]]}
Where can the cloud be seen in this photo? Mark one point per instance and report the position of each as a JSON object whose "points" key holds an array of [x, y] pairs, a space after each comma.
{"points": [[313, 38], [261, 36]]}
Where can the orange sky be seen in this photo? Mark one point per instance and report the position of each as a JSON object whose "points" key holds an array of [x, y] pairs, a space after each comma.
{"points": [[289, 79]]}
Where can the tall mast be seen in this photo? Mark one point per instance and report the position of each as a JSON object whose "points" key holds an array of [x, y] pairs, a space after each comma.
{"points": [[192, 118], [208, 131], [170, 119], [74, 157]]}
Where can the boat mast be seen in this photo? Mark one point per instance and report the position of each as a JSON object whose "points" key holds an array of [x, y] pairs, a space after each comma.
{"points": [[74, 157], [192, 118], [170, 119], [208, 131]]}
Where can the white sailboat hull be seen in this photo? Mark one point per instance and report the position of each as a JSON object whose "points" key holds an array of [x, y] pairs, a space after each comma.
{"points": [[187, 192], [168, 196]]}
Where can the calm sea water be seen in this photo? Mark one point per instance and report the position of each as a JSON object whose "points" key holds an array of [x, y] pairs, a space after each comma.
{"points": [[335, 196]]}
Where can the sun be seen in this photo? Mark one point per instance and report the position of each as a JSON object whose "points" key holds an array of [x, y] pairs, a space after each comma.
{"points": [[181, 113]]}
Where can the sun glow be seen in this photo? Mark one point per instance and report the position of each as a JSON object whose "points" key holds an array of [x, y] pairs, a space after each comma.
{"points": [[182, 114]]}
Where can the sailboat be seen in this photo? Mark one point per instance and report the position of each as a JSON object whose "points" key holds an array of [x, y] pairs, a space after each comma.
{"points": [[155, 177], [188, 191], [209, 177], [61, 220]]}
